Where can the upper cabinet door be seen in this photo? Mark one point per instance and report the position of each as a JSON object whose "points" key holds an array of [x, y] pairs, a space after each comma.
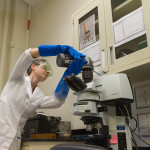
{"points": [[128, 33], [89, 34]]}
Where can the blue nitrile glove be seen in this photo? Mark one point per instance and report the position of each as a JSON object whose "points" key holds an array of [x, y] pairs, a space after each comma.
{"points": [[54, 50], [75, 67]]}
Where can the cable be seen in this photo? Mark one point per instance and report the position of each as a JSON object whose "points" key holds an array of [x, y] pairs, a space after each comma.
{"points": [[121, 111], [131, 117], [127, 111], [140, 136], [133, 139], [142, 139], [136, 124], [127, 121], [97, 73], [133, 131]]}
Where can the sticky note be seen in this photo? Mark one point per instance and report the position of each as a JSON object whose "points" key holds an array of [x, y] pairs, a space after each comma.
{"points": [[114, 139]]}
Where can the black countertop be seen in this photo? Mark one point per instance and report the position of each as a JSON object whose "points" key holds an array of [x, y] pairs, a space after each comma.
{"points": [[52, 140]]}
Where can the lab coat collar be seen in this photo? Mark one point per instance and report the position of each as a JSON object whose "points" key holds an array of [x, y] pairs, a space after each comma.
{"points": [[37, 92]]}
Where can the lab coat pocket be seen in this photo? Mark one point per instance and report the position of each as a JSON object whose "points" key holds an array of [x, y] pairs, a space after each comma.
{"points": [[6, 127], [5, 130]]}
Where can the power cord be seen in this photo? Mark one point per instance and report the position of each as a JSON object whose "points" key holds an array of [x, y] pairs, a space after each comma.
{"points": [[133, 139], [97, 73], [133, 131], [128, 122], [135, 122], [143, 140], [140, 136]]}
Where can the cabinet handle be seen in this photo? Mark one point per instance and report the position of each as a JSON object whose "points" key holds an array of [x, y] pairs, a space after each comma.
{"points": [[103, 59], [111, 52]]}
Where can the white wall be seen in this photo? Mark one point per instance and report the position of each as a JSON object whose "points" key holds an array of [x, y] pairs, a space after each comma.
{"points": [[51, 24], [15, 29], [1, 21], [4, 38], [18, 31]]}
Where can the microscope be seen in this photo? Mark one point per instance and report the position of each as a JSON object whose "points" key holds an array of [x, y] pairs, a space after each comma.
{"points": [[104, 104]]}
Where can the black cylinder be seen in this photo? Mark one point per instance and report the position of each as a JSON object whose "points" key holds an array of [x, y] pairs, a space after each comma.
{"points": [[87, 73]]}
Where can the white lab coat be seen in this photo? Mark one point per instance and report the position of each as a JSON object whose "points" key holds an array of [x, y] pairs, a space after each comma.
{"points": [[18, 103]]}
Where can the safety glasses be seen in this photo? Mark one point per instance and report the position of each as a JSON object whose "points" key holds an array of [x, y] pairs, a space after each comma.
{"points": [[46, 66]]}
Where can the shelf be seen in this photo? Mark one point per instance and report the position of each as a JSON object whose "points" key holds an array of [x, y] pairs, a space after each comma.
{"points": [[125, 8], [131, 47]]}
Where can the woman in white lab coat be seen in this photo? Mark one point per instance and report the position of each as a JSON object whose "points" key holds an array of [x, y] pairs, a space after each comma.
{"points": [[21, 96]]}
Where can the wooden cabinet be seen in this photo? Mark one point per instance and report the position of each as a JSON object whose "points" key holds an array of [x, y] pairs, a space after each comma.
{"points": [[38, 145], [44, 145], [124, 33]]}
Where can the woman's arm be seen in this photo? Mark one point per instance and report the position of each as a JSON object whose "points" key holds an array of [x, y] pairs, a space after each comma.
{"points": [[34, 52], [23, 64], [51, 102]]}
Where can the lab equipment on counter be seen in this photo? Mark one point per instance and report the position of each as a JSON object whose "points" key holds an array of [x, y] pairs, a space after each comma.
{"points": [[103, 104], [45, 127]]}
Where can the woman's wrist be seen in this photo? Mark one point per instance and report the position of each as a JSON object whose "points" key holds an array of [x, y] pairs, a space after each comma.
{"points": [[34, 52]]}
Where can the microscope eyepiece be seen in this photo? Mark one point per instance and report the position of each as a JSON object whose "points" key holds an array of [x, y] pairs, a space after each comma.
{"points": [[87, 73]]}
